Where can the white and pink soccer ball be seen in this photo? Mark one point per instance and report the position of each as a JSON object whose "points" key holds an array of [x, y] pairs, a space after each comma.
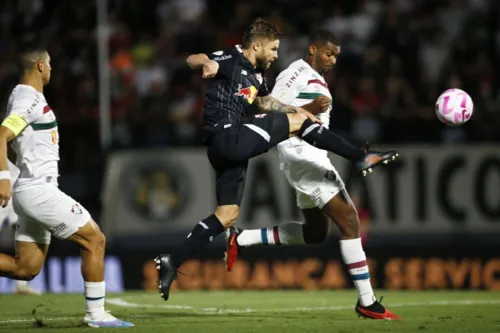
{"points": [[454, 107]]}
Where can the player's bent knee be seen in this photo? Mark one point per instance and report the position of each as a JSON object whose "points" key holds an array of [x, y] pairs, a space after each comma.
{"points": [[27, 272], [99, 241], [90, 237], [227, 215]]}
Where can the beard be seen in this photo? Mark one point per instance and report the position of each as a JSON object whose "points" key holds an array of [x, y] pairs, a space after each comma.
{"points": [[263, 64]]}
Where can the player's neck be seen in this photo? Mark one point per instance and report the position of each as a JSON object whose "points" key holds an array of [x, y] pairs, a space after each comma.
{"points": [[250, 56], [33, 81], [310, 61]]}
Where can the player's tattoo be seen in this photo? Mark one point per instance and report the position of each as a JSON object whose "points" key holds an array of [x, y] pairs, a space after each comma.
{"points": [[269, 103]]}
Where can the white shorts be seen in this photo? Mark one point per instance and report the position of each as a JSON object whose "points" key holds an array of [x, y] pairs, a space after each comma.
{"points": [[310, 172], [44, 210], [8, 214]]}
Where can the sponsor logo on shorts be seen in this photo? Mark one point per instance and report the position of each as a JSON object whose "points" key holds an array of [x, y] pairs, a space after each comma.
{"points": [[76, 209], [316, 193], [58, 228], [260, 115]]}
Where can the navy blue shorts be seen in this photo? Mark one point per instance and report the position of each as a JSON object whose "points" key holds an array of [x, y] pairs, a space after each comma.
{"points": [[231, 146]]}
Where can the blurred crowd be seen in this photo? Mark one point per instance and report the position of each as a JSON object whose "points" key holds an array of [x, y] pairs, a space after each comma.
{"points": [[397, 56]]}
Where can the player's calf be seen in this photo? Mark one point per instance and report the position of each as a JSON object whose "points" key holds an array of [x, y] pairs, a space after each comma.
{"points": [[227, 215], [28, 261], [342, 211], [92, 243], [315, 230]]}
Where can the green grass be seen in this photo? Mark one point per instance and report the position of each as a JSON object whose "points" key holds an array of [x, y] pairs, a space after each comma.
{"points": [[266, 311]]}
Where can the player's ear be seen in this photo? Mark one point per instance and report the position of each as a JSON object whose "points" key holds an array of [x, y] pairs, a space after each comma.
{"points": [[312, 49], [40, 65], [256, 45]]}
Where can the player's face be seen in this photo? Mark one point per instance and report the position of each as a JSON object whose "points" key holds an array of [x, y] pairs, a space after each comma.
{"points": [[45, 68], [267, 53], [326, 57]]}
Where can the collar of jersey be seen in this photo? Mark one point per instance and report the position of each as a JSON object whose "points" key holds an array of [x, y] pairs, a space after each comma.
{"points": [[307, 64], [245, 62]]}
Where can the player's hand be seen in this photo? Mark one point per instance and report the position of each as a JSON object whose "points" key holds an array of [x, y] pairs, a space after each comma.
{"points": [[319, 105], [309, 115], [5, 192], [210, 69]]}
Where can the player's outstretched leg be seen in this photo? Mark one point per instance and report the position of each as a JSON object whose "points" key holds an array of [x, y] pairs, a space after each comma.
{"points": [[202, 234], [92, 243], [322, 138], [287, 233]]}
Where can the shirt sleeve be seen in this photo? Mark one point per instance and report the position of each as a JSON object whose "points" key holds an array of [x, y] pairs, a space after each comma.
{"points": [[28, 106], [225, 60], [289, 84]]}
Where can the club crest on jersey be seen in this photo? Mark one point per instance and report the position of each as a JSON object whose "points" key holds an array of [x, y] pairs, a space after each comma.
{"points": [[259, 77], [248, 93], [76, 209], [282, 94]]}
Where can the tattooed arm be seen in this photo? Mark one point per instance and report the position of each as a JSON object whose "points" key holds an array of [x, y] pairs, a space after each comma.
{"points": [[269, 103]]}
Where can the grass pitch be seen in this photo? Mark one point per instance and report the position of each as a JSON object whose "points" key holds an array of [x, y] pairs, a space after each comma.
{"points": [[250, 311]]}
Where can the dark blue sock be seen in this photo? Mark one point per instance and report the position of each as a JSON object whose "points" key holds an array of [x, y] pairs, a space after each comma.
{"points": [[202, 234], [322, 138]]}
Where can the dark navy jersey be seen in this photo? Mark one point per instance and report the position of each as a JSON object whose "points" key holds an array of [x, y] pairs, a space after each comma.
{"points": [[230, 94]]}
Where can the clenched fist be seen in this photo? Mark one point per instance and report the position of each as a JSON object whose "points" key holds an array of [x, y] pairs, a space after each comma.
{"points": [[210, 69], [320, 104]]}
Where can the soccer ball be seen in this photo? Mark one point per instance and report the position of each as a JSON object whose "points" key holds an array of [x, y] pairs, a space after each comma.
{"points": [[454, 107]]}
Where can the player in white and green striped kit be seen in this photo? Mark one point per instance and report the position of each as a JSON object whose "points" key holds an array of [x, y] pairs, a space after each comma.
{"points": [[321, 193]]}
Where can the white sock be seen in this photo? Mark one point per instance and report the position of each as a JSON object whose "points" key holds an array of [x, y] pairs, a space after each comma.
{"points": [[355, 259], [284, 233], [94, 298], [21, 284]]}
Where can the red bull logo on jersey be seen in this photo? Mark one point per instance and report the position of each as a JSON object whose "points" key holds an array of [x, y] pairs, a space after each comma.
{"points": [[249, 93]]}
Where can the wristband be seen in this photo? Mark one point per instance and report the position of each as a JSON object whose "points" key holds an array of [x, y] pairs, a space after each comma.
{"points": [[4, 175]]}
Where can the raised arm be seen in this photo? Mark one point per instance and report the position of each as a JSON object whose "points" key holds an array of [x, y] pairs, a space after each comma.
{"points": [[197, 61], [213, 64]]}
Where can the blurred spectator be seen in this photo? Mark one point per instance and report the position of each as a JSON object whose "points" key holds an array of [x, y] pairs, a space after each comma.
{"points": [[397, 56]]}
